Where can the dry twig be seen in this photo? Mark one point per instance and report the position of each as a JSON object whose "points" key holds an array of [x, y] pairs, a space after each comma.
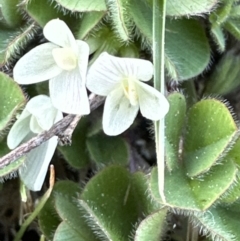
{"points": [[63, 129]]}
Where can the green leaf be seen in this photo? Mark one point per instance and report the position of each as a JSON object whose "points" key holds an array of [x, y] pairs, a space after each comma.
{"points": [[76, 154], [10, 13], [11, 99], [221, 223], [105, 149], [88, 22], [145, 203], [177, 190], [189, 7], [182, 63], [174, 123], [111, 204], [233, 26], [212, 185], [103, 40], [193, 56], [48, 217], [67, 208], [225, 77], [9, 170], [190, 92], [153, 227], [65, 201], [49, 220], [119, 14], [234, 153], [233, 192], [65, 232], [221, 14], [235, 12], [5, 39], [218, 37], [178, 8], [210, 130], [14, 40], [42, 11], [83, 5], [195, 194]]}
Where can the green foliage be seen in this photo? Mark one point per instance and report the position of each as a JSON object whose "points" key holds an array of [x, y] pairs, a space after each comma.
{"points": [[105, 209], [88, 22], [77, 155], [9, 170], [225, 77], [11, 99], [179, 8], [10, 13], [226, 17], [91, 144], [106, 149], [43, 11], [174, 124], [83, 5], [182, 63], [119, 13], [106, 201], [208, 170], [12, 41], [222, 221], [48, 217], [210, 131], [152, 228]]}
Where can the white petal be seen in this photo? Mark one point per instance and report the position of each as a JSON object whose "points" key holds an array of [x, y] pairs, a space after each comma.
{"points": [[68, 93], [38, 104], [107, 71], [42, 109], [118, 113], [153, 105], [19, 130], [48, 119], [34, 170], [58, 116], [82, 54], [104, 76], [37, 65], [34, 126], [130, 67], [57, 31]]}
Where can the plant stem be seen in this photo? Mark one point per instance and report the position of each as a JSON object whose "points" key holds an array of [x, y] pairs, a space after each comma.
{"points": [[159, 14], [39, 207]]}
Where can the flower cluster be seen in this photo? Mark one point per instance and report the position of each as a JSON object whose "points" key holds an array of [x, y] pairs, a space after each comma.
{"points": [[63, 61], [119, 80]]}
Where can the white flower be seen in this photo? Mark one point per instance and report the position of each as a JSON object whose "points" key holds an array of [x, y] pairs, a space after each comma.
{"points": [[64, 62], [39, 115], [119, 80]]}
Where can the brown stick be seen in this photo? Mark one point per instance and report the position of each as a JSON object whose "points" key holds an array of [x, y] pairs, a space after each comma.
{"points": [[63, 129]]}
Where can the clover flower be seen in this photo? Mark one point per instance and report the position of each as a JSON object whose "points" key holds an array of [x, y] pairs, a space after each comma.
{"points": [[119, 80], [39, 115], [64, 62]]}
